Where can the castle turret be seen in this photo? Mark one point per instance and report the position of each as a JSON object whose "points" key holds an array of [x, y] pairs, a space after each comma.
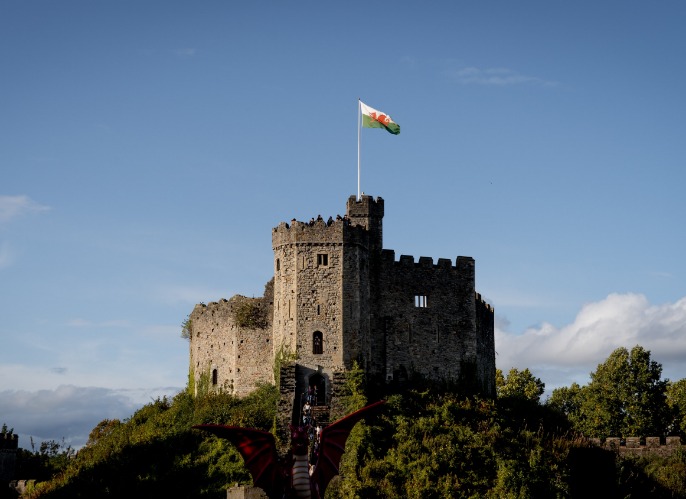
{"points": [[368, 213]]}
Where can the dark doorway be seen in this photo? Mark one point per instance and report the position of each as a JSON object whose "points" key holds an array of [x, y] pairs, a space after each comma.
{"points": [[317, 387]]}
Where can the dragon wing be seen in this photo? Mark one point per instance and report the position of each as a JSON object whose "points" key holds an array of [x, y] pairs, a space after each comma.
{"points": [[259, 453], [332, 445]]}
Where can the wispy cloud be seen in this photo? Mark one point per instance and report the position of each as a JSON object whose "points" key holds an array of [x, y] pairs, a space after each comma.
{"points": [[495, 77], [12, 207], [620, 320], [185, 52]]}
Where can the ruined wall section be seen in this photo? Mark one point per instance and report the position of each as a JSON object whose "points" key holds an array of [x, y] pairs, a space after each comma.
{"points": [[429, 318], [231, 344]]}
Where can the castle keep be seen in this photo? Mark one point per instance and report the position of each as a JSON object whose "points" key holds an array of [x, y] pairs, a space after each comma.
{"points": [[338, 297]]}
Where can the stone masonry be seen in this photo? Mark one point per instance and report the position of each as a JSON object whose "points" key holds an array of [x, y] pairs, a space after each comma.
{"points": [[338, 297]]}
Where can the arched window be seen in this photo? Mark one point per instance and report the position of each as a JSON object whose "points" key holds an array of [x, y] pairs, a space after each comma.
{"points": [[214, 376], [278, 264], [317, 342]]}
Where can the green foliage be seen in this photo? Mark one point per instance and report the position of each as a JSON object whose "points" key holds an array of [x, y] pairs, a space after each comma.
{"points": [[283, 356], [50, 458], [186, 328], [667, 472], [626, 397], [431, 444], [519, 384], [155, 453], [251, 314], [352, 396], [676, 401], [428, 443]]}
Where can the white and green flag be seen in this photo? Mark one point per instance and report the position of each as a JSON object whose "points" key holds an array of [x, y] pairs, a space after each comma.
{"points": [[371, 118]]}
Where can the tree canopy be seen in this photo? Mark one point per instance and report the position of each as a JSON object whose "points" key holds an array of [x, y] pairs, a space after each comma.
{"points": [[519, 384], [625, 397]]}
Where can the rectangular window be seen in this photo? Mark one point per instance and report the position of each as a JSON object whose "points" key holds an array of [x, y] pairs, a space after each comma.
{"points": [[420, 301], [322, 260]]}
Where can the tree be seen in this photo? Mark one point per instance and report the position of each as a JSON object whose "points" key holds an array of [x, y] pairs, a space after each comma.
{"points": [[676, 401], [568, 401], [186, 326], [519, 384], [626, 397]]}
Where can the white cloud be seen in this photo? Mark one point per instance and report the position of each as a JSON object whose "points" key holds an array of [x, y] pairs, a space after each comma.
{"points": [[570, 353], [12, 207], [494, 76]]}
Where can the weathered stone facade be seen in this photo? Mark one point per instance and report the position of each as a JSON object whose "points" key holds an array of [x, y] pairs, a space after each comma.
{"points": [[228, 350], [338, 297]]}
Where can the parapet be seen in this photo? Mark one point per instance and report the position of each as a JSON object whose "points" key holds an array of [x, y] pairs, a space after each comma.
{"points": [[426, 262], [638, 446], [318, 231], [9, 441], [365, 206], [483, 304]]}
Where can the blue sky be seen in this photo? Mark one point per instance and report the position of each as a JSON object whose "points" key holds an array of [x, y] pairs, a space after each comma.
{"points": [[148, 148]]}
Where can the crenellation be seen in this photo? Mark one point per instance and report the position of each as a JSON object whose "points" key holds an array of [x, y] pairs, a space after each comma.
{"points": [[406, 260], [637, 446], [9, 441], [444, 263]]}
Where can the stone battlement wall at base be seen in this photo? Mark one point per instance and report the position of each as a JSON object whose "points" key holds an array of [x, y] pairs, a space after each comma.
{"points": [[638, 446]]}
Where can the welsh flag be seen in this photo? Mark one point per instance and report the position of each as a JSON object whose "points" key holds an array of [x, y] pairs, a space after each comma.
{"points": [[371, 118]]}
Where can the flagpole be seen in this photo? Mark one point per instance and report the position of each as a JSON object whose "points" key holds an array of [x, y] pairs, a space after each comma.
{"points": [[358, 148]]}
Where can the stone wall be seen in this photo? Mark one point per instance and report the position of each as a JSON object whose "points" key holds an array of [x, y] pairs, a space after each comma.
{"points": [[285, 407], [635, 446], [228, 353], [433, 322], [245, 492], [9, 442]]}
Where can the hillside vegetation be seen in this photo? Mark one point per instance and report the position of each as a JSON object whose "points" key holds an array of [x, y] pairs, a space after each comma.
{"points": [[428, 443]]}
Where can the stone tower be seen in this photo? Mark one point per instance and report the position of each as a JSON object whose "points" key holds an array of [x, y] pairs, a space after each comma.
{"points": [[322, 289]]}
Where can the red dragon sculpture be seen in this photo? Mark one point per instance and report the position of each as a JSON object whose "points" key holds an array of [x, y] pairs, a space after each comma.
{"points": [[291, 478]]}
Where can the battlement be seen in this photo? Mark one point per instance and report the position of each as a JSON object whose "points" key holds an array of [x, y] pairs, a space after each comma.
{"points": [[365, 206], [9, 441], [426, 262], [638, 446], [337, 231], [483, 304]]}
